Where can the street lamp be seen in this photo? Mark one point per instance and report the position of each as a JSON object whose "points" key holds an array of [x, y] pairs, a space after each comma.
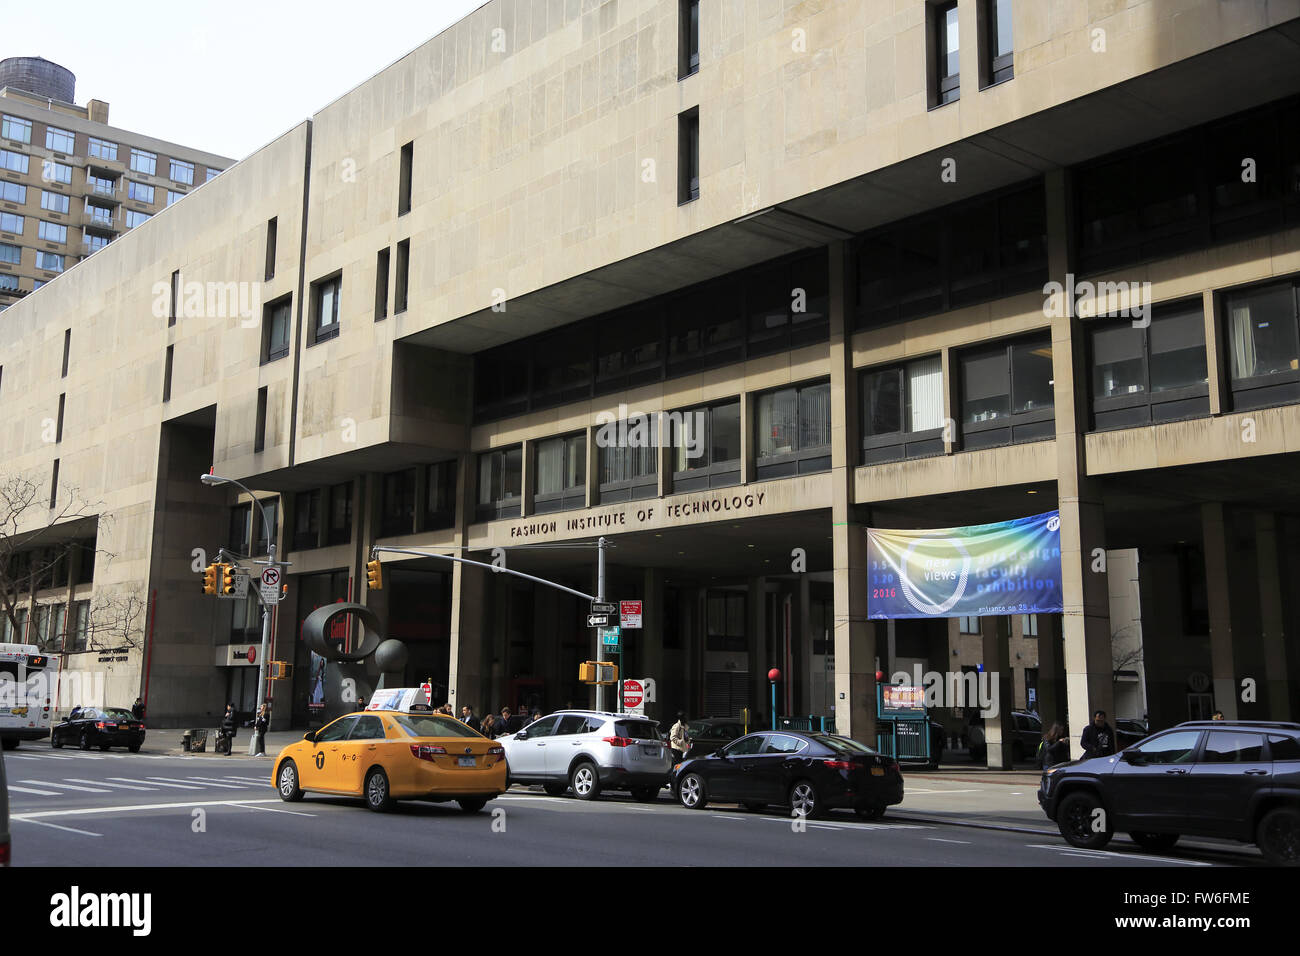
{"points": [[255, 743]]}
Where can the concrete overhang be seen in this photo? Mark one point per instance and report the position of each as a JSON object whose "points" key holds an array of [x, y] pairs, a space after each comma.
{"points": [[1257, 69]]}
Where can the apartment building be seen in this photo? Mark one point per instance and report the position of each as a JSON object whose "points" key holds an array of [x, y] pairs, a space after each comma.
{"points": [[837, 266]]}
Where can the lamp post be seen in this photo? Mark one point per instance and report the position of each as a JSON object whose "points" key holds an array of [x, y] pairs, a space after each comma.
{"points": [[255, 743]]}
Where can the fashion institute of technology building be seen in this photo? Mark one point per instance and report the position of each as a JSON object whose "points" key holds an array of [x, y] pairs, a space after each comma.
{"points": [[726, 283]]}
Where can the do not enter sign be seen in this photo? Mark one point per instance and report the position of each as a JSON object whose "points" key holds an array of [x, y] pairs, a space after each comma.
{"points": [[633, 695]]}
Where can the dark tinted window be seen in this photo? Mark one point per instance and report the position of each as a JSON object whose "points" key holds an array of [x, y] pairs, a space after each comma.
{"points": [[745, 746], [844, 745], [1284, 748], [367, 728], [434, 726], [542, 728], [637, 729], [569, 724], [337, 730], [1169, 748], [784, 744], [117, 713], [1232, 746]]}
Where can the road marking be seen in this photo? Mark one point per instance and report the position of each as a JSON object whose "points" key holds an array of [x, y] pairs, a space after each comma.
{"points": [[86, 811], [65, 786], [118, 786], [226, 782], [37, 793], [296, 813], [724, 816], [942, 840], [263, 781], [909, 791], [56, 826], [174, 786], [201, 782], [1126, 857]]}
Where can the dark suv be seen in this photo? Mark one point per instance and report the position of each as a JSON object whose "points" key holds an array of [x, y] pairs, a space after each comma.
{"points": [[1234, 779]]}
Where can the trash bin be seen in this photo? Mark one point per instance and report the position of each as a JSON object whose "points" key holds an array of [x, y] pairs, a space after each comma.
{"points": [[195, 741]]}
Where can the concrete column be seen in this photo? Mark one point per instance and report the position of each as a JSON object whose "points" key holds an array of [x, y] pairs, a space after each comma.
{"points": [[664, 455], [1214, 530], [593, 466], [1050, 675], [995, 635], [1272, 618], [855, 636], [801, 627], [1086, 617], [527, 478], [747, 443], [1215, 357], [949, 403], [468, 662]]}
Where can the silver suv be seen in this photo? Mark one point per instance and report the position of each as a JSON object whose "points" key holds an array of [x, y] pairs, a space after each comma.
{"points": [[590, 751]]}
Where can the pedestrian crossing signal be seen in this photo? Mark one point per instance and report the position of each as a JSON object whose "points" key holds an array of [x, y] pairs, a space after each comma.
{"points": [[227, 579], [280, 670], [374, 575], [598, 672], [210, 579]]}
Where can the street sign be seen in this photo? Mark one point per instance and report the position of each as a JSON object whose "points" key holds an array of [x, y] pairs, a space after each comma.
{"points": [[633, 696], [598, 620], [270, 576], [603, 607], [609, 636], [630, 613]]}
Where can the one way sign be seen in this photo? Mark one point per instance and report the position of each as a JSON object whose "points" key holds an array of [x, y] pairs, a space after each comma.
{"points": [[598, 620]]}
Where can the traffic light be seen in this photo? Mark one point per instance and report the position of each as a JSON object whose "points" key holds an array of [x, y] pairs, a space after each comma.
{"points": [[374, 575], [280, 670], [210, 579], [227, 579], [598, 672]]}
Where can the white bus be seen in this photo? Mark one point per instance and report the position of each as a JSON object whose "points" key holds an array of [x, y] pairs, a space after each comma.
{"points": [[24, 694]]}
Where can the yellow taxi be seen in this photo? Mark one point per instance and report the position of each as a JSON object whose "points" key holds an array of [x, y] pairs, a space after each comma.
{"points": [[385, 755]]}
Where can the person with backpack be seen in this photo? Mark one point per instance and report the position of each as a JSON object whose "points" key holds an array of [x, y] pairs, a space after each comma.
{"points": [[1054, 748]]}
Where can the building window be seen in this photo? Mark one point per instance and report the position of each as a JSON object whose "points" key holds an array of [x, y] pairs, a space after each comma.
{"points": [[1007, 393], [53, 172], [500, 483], [793, 431], [1029, 625], [16, 128], [561, 481], [167, 373], [562, 367], [49, 261], [706, 447], [79, 629], [182, 172], [52, 231], [272, 236], [58, 433], [212, 174], [404, 179], [1152, 374], [259, 435], [17, 193], [134, 218], [689, 41], [8, 283], [11, 223], [102, 149], [99, 215], [946, 71], [174, 197], [902, 411], [306, 520], [340, 517], [381, 285], [94, 243], [11, 254], [397, 515], [272, 509], [706, 327], [54, 202], [626, 461], [440, 495], [403, 275], [144, 162], [276, 321], [175, 297], [54, 484], [997, 42], [688, 156], [139, 191], [101, 186], [13, 162], [788, 304], [726, 629], [325, 308], [1263, 346], [60, 140], [67, 351], [968, 625]]}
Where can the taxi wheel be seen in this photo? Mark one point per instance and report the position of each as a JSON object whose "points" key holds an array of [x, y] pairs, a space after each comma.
{"points": [[555, 789], [585, 781], [287, 782], [378, 796], [473, 805]]}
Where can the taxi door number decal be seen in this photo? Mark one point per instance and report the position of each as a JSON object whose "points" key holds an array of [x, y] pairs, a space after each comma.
{"points": [[320, 760]]}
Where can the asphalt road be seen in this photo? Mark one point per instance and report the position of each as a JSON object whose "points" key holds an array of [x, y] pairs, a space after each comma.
{"points": [[70, 808]]}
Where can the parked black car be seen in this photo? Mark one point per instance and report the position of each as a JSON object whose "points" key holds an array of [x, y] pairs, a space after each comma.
{"points": [[1026, 732], [101, 727], [810, 773], [1234, 779], [710, 734], [1129, 731]]}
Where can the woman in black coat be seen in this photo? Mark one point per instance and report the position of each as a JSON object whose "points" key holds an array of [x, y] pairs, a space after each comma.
{"points": [[229, 726], [1055, 747]]}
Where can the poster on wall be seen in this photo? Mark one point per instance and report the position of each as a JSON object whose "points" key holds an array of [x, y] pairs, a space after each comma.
{"points": [[1009, 567], [316, 690]]}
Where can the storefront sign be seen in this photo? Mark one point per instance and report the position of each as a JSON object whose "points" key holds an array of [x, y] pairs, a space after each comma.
{"points": [[1011, 567]]}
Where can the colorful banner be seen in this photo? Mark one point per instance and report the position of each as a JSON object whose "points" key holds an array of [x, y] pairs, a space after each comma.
{"points": [[1011, 567]]}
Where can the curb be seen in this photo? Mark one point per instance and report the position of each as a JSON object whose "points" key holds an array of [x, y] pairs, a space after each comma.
{"points": [[976, 826]]}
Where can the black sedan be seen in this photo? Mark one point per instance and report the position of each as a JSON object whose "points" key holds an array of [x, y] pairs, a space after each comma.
{"points": [[809, 773], [101, 727]]}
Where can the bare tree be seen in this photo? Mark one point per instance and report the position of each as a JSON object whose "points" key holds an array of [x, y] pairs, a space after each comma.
{"points": [[117, 620], [35, 538]]}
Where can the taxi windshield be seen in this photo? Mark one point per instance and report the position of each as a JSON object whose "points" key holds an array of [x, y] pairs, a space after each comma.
{"points": [[419, 725]]}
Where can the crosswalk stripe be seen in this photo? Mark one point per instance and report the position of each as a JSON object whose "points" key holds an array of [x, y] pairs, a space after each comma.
{"points": [[174, 780], [260, 780], [218, 782], [65, 786], [119, 786], [176, 786], [38, 793]]}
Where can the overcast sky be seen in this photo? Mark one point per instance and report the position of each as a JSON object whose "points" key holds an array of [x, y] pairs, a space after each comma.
{"points": [[224, 77]]}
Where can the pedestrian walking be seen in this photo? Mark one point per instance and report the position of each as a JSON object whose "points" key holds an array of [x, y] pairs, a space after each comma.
{"points": [[261, 724], [1098, 739], [679, 738], [1054, 748], [137, 709], [468, 718], [229, 727]]}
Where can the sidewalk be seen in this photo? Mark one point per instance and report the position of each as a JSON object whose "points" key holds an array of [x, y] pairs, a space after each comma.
{"points": [[972, 795], [170, 742]]}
